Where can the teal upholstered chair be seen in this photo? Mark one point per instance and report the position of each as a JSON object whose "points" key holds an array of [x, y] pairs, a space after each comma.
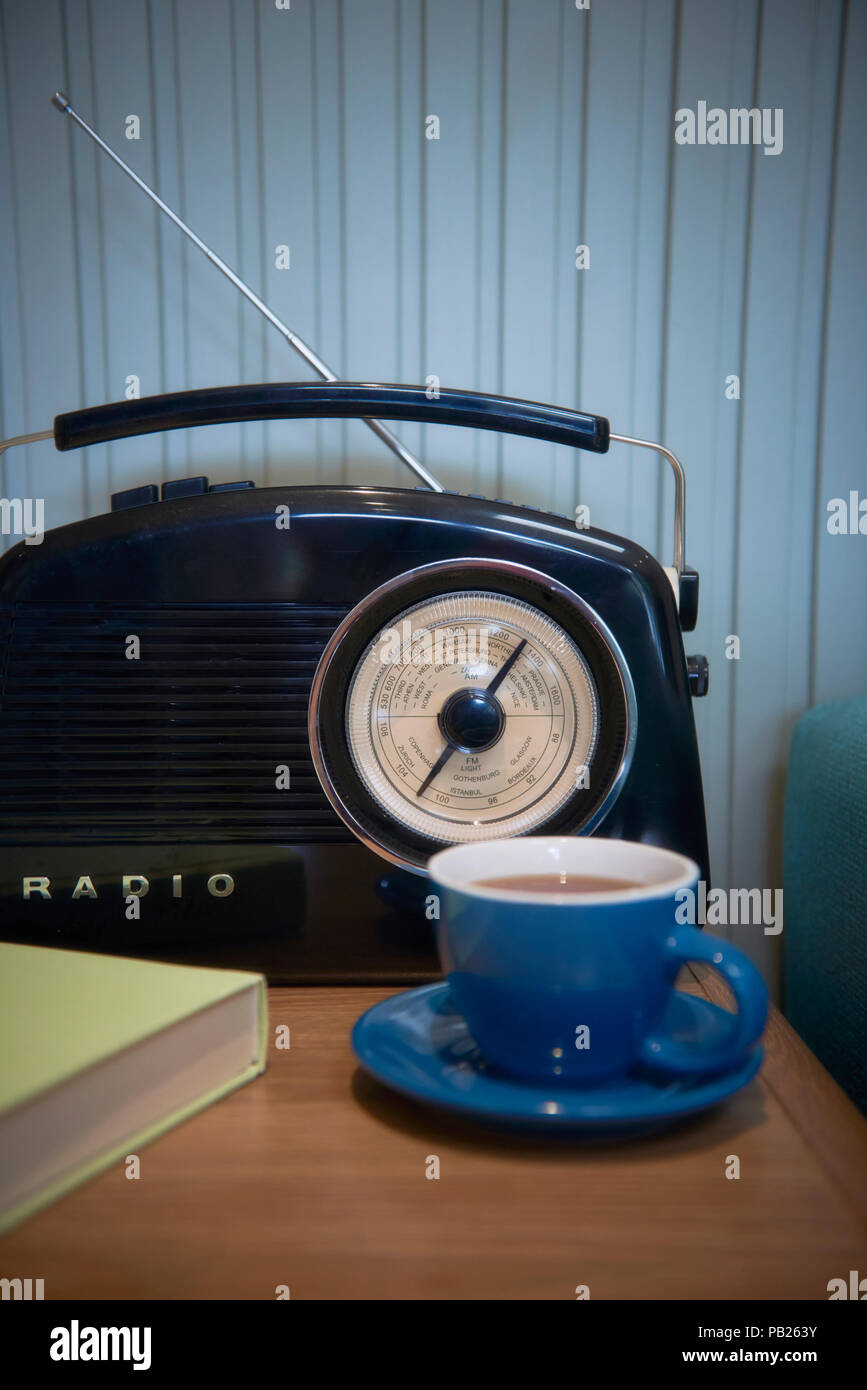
{"points": [[825, 886]]}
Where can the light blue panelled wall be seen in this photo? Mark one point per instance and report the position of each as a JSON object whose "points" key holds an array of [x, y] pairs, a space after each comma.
{"points": [[304, 125]]}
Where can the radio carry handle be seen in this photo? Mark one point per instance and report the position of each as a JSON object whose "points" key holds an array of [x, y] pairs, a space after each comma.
{"points": [[352, 399]]}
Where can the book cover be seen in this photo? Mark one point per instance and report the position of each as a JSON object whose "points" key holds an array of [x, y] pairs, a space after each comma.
{"points": [[101, 1054]]}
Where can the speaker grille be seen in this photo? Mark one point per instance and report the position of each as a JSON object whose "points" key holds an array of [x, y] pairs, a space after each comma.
{"points": [[181, 744]]}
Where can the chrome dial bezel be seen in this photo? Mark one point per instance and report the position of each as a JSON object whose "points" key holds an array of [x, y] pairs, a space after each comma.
{"points": [[416, 862]]}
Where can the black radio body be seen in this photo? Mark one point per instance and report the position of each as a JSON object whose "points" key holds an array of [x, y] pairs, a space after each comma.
{"points": [[169, 789]]}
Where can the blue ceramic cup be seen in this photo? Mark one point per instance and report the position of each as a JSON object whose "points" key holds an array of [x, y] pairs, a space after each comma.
{"points": [[574, 986]]}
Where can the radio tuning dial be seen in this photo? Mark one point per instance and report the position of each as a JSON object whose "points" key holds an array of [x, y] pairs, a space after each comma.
{"points": [[449, 715]]}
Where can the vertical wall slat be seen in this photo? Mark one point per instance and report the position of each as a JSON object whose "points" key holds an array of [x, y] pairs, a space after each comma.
{"points": [[531, 167], [370, 230], [568, 234], [327, 125], [13, 377], [773, 371], [643, 419], [126, 221], [611, 228], [450, 232], [287, 178], [409, 155], [247, 194], [38, 346], [208, 153], [706, 267], [172, 250], [490, 230], [839, 655]]}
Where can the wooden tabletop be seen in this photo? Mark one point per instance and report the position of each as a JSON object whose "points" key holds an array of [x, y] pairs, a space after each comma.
{"points": [[313, 1177]]}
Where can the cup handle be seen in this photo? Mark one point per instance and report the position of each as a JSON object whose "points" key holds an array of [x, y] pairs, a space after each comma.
{"points": [[664, 1053]]}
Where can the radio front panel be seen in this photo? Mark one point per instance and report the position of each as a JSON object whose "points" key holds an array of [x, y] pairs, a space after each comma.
{"points": [[159, 741]]}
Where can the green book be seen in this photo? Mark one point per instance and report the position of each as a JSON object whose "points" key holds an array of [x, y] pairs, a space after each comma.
{"points": [[100, 1054]]}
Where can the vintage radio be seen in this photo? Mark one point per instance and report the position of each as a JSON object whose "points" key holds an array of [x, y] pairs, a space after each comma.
{"points": [[235, 722]]}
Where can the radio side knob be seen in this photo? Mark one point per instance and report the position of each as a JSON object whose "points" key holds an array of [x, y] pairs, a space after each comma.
{"points": [[699, 675], [688, 600]]}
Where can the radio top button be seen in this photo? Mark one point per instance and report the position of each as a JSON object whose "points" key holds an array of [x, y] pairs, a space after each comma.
{"points": [[229, 487], [183, 487], [134, 497]]}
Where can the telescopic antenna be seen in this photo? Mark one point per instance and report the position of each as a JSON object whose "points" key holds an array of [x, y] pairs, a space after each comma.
{"points": [[391, 440]]}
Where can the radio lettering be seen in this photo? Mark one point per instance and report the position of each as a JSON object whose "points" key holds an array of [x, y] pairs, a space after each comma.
{"points": [[219, 885]]}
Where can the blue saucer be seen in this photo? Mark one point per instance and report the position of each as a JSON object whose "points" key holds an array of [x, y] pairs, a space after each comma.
{"points": [[418, 1043]]}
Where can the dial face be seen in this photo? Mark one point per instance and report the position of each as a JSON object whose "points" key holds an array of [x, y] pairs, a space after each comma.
{"points": [[472, 716]]}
